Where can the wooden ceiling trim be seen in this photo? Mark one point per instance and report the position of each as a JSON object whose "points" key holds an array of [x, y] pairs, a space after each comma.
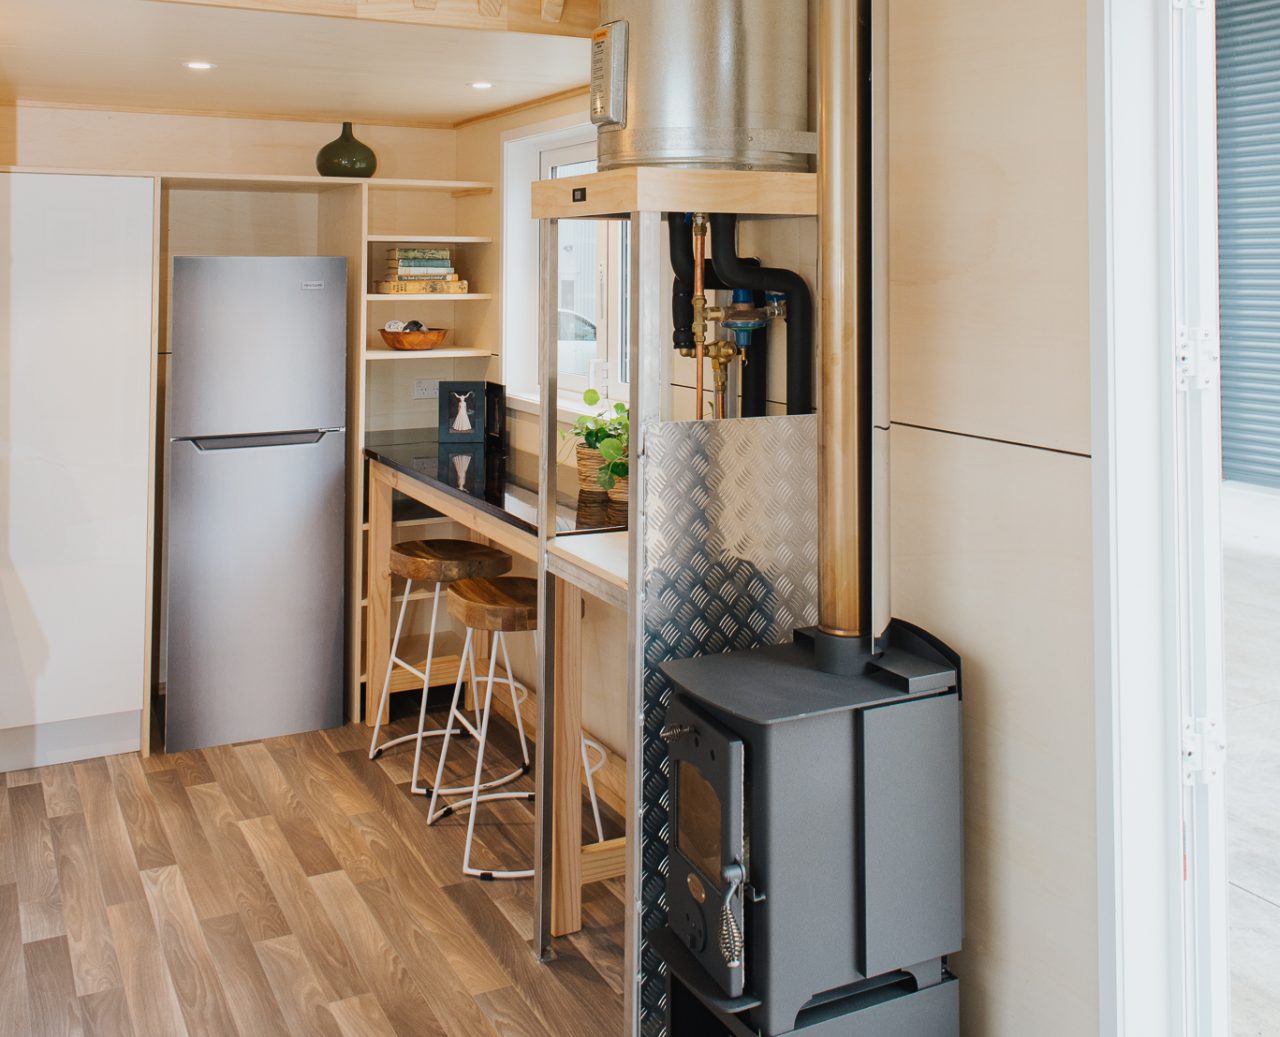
{"points": [[544, 17]]}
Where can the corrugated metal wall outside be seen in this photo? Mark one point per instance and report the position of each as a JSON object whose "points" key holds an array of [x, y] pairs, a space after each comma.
{"points": [[1249, 222]]}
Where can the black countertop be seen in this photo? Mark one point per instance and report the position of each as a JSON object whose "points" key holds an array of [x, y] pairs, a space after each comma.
{"points": [[488, 476]]}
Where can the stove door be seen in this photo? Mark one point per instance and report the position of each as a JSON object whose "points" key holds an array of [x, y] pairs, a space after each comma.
{"points": [[708, 852]]}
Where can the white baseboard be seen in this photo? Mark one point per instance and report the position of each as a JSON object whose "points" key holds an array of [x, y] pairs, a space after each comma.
{"points": [[67, 740]]}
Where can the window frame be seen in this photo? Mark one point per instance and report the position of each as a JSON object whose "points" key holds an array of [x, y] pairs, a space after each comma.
{"points": [[528, 155]]}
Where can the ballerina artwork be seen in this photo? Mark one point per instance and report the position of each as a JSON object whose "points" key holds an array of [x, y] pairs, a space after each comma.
{"points": [[462, 414], [466, 413]]}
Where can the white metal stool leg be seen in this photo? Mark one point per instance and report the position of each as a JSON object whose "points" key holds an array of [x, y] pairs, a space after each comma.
{"points": [[515, 701], [426, 686], [457, 716], [590, 771], [376, 750], [391, 665], [476, 797]]}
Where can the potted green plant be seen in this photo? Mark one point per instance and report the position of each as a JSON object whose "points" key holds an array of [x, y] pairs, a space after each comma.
{"points": [[603, 440]]}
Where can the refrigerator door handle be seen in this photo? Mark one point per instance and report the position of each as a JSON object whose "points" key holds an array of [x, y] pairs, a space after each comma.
{"points": [[306, 438]]}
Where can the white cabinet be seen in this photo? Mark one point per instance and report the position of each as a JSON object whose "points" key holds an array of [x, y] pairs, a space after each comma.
{"points": [[76, 312]]}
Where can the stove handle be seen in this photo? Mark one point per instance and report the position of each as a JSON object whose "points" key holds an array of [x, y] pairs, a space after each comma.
{"points": [[730, 935]]}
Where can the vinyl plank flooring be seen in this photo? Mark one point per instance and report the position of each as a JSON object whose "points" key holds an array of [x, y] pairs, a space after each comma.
{"points": [[450, 999], [148, 988], [8, 839], [106, 1014], [61, 793], [51, 990], [259, 910], [93, 955], [192, 768], [336, 780], [39, 896], [249, 993], [361, 1017], [322, 793], [235, 782], [539, 984], [510, 1015], [147, 836], [385, 972], [295, 821], [451, 931], [295, 889], [195, 979], [13, 972], [297, 988], [337, 972], [203, 878], [112, 851], [348, 737]]}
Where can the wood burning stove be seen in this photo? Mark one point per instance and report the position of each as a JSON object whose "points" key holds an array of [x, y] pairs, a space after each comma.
{"points": [[814, 882]]}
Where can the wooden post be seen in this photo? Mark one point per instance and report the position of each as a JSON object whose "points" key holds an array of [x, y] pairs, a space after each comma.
{"points": [[378, 631], [566, 823]]}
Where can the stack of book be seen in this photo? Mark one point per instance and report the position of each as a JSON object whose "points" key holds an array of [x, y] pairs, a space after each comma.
{"points": [[421, 271]]}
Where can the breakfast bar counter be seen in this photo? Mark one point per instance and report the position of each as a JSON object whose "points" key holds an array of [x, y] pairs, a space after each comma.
{"points": [[477, 486]]}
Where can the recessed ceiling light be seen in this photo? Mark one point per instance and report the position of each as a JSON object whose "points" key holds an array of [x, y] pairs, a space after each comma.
{"points": [[199, 66], [482, 85]]}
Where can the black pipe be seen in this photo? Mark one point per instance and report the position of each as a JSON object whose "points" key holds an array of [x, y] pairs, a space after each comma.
{"points": [[755, 371], [736, 272]]}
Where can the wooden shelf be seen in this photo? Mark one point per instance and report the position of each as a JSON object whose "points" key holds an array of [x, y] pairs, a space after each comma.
{"points": [[595, 562], [432, 239], [425, 354], [619, 192], [423, 520], [429, 297]]}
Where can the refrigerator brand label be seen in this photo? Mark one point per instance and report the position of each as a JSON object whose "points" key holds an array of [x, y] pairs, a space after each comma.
{"points": [[312, 286]]}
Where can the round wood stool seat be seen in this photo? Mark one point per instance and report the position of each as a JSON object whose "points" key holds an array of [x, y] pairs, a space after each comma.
{"points": [[508, 603], [443, 561]]}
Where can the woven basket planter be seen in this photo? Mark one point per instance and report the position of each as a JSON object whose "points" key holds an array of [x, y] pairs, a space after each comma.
{"points": [[589, 464]]}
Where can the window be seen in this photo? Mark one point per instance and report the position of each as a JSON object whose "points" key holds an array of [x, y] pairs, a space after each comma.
{"points": [[592, 311]]}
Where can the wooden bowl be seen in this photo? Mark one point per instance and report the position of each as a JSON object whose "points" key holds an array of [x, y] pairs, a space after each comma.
{"points": [[428, 339]]}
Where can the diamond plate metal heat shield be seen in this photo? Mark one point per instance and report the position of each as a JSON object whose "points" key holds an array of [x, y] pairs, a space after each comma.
{"points": [[730, 562]]}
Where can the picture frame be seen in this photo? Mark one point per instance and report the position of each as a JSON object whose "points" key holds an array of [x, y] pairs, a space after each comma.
{"points": [[472, 412]]}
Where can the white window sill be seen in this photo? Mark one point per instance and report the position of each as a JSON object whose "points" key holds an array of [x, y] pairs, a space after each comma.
{"points": [[569, 405]]}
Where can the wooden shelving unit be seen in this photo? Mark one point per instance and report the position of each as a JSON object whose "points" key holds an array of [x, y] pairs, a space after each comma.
{"points": [[383, 385]]}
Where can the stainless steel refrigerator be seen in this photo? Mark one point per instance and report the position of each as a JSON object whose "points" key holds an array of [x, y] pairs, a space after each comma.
{"points": [[256, 498]]}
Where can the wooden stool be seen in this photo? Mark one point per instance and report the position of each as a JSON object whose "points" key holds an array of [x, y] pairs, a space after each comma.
{"points": [[440, 562], [499, 606]]}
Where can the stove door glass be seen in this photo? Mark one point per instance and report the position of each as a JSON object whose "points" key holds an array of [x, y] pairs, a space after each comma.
{"points": [[698, 822]]}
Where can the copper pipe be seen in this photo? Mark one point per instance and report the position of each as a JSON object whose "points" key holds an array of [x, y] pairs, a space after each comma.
{"points": [[841, 427], [699, 306]]}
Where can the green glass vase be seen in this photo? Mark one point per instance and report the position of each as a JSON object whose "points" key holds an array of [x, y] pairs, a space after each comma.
{"points": [[346, 156]]}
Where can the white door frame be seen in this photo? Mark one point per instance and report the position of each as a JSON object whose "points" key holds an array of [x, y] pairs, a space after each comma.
{"points": [[1153, 263]]}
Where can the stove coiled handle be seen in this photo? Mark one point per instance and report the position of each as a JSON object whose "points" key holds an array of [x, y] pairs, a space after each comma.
{"points": [[730, 935], [673, 731]]}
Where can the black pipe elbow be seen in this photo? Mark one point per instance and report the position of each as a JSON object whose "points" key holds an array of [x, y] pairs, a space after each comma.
{"points": [[737, 272], [680, 241]]}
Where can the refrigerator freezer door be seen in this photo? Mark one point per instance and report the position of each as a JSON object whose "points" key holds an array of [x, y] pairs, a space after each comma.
{"points": [[256, 589], [259, 344]]}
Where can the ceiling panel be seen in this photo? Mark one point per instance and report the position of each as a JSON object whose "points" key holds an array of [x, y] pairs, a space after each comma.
{"points": [[130, 54]]}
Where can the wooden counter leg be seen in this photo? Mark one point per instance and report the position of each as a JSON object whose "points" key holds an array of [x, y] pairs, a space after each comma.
{"points": [[566, 851], [378, 574]]}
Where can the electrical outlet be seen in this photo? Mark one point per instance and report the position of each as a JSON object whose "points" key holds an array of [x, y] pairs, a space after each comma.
{"points": [[426, 389]]}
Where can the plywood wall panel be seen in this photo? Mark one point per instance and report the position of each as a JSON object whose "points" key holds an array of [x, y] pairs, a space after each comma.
{"points": [[153, 142], [988, 200], [992, 553]]}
